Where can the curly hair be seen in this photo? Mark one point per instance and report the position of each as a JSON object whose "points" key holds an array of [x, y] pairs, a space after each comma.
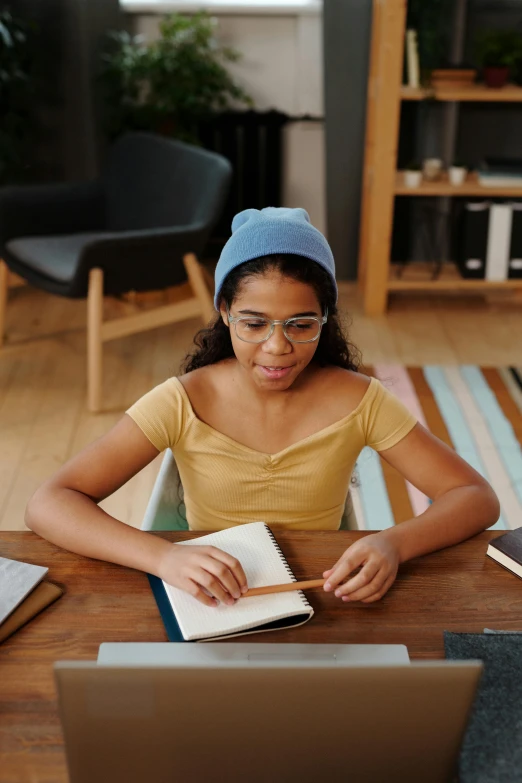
{"points": [[213, 344]]}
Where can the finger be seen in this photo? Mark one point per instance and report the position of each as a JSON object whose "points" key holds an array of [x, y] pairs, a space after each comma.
{"points": [[234, 566], [343, 569], [362, 579], [374, 588], [225, 577], [380, 593], [326, 574], [195, 590], [211, 584]]}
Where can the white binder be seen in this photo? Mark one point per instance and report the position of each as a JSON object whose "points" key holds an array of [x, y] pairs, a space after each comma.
{"points": [[499, 242]]}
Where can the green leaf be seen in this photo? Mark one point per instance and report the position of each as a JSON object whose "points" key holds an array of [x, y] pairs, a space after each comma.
{"points": [[171, 82]]}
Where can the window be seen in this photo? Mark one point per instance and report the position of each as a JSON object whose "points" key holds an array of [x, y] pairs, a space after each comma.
{"points": [[224, 6]]}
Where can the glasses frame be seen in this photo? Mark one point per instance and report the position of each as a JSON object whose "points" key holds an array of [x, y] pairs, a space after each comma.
{"points": [[234, 320]]}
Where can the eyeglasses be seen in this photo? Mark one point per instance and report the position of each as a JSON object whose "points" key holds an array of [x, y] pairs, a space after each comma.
{"points": [[254, 329]]}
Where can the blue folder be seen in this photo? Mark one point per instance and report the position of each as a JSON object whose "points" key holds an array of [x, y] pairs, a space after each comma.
{"points": [[167, 614]]}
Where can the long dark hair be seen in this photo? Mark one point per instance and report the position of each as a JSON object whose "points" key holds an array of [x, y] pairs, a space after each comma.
{"points": [[213, 344]]}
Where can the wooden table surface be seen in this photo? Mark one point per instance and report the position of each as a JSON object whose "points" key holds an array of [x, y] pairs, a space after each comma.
{"points": [[457, 589]]}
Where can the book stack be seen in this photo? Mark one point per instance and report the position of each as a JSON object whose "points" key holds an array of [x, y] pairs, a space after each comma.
{"points": [[490, 240], [23, 594], [500, 172]]}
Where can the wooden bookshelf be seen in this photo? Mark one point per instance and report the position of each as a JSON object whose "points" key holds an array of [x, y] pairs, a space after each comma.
{"points": [[443, 187], [417, 276], [381, 183]]}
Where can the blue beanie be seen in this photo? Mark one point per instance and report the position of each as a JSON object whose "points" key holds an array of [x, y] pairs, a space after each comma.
{"points": [[268, 231]]}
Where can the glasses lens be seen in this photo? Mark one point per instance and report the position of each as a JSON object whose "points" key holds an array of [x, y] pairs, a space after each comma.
{"points": [[252, 330], [302, 330]]}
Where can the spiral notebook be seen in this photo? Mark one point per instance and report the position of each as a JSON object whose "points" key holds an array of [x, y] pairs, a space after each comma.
{"points": [[254, 545]]}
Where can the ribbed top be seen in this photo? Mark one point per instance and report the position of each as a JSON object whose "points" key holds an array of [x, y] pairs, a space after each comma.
{"points": [[303, 487]]}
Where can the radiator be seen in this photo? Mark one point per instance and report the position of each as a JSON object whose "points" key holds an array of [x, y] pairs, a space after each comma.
{"points": [[253, 143]]}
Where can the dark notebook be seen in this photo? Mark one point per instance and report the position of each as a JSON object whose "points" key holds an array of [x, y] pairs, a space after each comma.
{"points": [[473, 239], [502, 165], [507, 550], [492, 747], [515, 250]]}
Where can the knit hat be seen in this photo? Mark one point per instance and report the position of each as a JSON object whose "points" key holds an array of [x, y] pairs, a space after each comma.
{"points": [[269, 231]]}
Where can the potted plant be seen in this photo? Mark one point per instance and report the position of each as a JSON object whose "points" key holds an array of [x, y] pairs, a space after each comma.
{"points": [[413, 174], [457, 172], [171, 84], [498, 52]]}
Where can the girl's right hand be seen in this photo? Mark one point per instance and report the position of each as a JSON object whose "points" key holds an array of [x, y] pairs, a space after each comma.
{"points": [[207, 573]]}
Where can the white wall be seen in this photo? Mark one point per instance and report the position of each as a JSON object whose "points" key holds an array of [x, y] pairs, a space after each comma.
{"points": [[281, 68]]}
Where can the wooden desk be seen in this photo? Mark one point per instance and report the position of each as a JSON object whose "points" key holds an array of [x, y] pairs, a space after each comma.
{"points": [[457, 589]]}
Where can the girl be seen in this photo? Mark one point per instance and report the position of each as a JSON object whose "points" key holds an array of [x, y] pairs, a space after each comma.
{"points": [[266, 424]]}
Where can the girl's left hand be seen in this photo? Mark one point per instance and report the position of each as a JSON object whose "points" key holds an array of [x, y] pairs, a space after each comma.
{"points": [[379, 561]]}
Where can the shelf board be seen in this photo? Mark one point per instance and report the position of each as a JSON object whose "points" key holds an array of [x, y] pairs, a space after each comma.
{"points": [[474, 92], [443, 187], [415, 93], [416, 276]]}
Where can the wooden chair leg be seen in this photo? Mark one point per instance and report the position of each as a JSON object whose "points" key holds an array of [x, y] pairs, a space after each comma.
{"points": [[197, 281], [94, 340], [4, 274]]}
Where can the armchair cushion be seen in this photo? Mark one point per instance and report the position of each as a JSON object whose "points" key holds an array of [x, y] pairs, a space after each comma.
{"points": [[56, 257], [61, 264]]}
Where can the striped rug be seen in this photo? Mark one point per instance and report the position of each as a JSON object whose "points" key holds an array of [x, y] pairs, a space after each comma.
{"points": [[475, 410]]}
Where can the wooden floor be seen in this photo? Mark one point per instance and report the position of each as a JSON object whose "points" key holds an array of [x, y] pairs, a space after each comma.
{"points": [[43, 420]]}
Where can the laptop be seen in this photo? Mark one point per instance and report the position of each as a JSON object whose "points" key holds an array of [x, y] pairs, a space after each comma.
{"points": [[248, 654], [265, 721]]}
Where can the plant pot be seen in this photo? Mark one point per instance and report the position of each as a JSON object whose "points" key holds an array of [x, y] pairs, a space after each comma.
{"points": [[496, 76], [453, 77], [457, 174], [432, 168], [412, 179]]}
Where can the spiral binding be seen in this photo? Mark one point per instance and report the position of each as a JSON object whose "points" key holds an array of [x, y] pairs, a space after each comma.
{"points": [[287, 567]]}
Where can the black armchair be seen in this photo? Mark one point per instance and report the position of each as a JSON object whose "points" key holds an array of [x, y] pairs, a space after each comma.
{"points": [[140, 227]]}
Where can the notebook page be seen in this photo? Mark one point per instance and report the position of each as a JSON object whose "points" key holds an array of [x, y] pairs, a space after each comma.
{"points": [[253, 546]]}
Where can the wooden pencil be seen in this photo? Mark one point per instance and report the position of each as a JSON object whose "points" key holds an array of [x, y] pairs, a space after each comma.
{"points": [[283, 588]]}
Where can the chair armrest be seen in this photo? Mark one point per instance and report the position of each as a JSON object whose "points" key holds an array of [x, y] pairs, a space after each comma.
{"points": [[43, 210]]}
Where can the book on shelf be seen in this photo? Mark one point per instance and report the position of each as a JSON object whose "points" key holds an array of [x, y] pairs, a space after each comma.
{"points": [[412, 59], [499, 241], [471, 255], [490, 241], [515, 250], [489, 180], [507, 550], [500, 172]]}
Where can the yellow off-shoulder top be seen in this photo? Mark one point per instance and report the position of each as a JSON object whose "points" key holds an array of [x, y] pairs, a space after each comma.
{"points": [[303, 487]]}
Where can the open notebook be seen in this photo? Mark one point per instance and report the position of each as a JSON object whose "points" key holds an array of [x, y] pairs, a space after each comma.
{"points": [[254, 545]]}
